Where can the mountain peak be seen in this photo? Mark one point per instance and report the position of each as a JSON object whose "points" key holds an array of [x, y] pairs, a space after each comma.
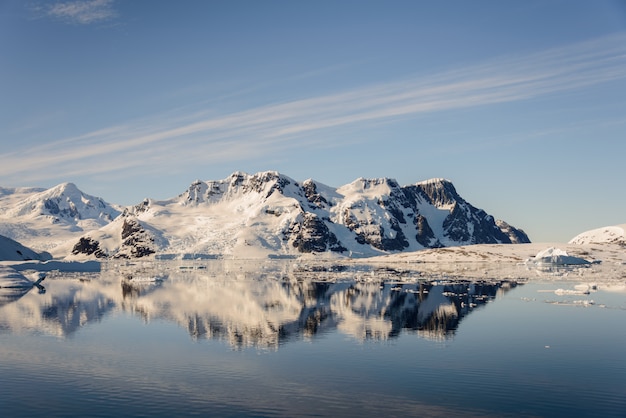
{"points": [[65, 201], [237, 184], [66, 188], [372, 187], [435, 180]]}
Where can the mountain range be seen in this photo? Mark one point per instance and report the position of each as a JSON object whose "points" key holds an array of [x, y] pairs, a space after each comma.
{"points": [[266, 214]]}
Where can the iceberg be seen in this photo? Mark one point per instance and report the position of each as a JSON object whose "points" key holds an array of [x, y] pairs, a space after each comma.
{"points": [[557, 257]]}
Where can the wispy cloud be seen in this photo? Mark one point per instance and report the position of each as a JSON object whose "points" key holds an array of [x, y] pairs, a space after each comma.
{"points": [[83, 12], [261, 131]]}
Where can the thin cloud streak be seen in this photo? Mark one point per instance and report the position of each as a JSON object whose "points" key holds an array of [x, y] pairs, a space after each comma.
{"points": [[83, 12], [276, 126]]}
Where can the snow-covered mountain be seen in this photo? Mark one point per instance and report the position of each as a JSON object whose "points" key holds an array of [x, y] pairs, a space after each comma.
{"points": [[44, 218], [609, 234], [260, 215], [271, 214], [64, 203]]}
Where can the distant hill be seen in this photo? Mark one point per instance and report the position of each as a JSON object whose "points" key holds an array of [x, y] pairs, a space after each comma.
{"points": [[608, 234]]}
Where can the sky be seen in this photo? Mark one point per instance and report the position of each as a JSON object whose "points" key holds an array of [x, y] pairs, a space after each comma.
{"points": [[521, 104]]}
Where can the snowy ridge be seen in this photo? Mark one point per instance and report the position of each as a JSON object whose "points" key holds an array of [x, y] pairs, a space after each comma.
{"points": [[9, 196], [259, 215]]}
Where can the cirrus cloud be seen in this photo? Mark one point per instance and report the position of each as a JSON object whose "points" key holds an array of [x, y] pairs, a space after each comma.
{"points": [[261, 131], [82, 12]]}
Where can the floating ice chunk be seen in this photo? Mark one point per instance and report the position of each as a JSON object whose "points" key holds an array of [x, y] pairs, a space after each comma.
{"points": [[558, 257], [585, 302], [561, 292], [588, 287]]}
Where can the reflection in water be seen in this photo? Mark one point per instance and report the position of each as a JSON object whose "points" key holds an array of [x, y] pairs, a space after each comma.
{"points": [[8, 295], [15, 286], [254, 309]]}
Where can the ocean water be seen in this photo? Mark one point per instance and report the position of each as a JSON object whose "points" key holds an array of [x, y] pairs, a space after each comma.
{"points": [[286, 339]]}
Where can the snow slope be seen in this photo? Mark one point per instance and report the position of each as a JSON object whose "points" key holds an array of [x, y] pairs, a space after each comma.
{"points": [[606, 262], [13, 251]]}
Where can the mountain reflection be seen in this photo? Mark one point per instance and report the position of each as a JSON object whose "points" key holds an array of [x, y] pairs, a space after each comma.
{"points": [[261, 310]]}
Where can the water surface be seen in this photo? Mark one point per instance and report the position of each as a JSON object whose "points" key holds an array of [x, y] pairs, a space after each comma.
{"points": [[285, 340]]}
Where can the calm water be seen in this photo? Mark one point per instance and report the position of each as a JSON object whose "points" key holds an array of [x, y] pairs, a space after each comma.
{"points": [[224, 340]]}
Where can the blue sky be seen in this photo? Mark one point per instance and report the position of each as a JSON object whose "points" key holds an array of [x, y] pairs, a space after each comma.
{"points": [[522, 104]]}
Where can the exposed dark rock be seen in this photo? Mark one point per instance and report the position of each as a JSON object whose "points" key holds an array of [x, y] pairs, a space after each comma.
{"points": [[311, 194], [137, 243], [196, 191], [312, 235], [52, 207], [258, 182], [517, 236], [144, 206], [88, 246], [398, 242], [483, 229], [130, 226], [425, 235], [455, 224], [438, 192]]}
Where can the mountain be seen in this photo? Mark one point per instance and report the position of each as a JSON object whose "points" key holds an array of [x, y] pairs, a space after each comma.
{"points": [[45, 218], [64, 203], [608, 234], [270, 214]]}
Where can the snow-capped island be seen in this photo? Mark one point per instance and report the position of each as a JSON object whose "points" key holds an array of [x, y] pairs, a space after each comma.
{"points": [[269, 216], [262, 215]]}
